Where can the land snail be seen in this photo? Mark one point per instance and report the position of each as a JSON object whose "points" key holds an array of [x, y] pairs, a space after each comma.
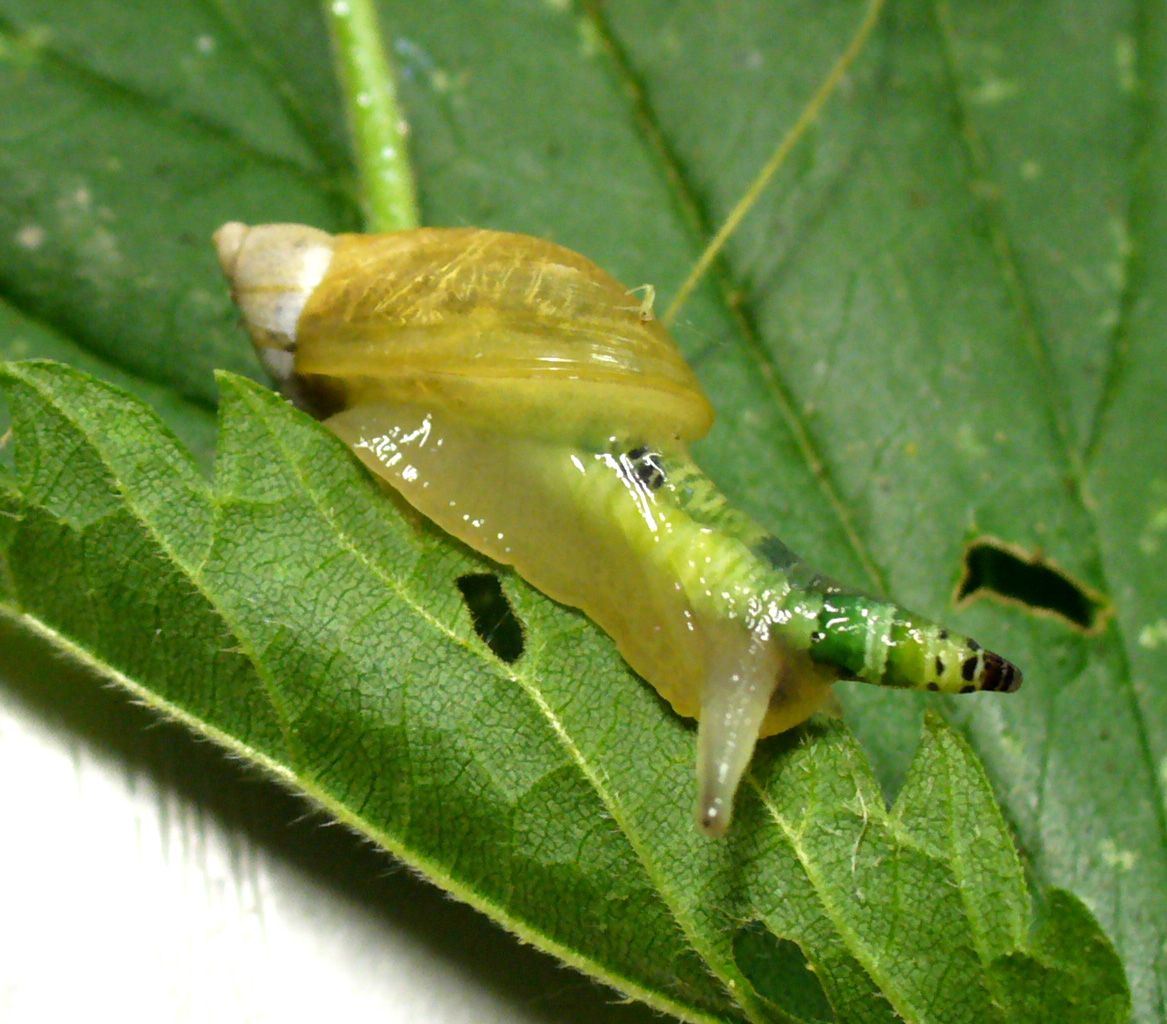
{"points": [[530, 405]]}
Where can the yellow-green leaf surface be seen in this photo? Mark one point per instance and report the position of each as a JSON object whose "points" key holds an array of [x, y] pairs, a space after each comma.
{"points": [[943, 323]]}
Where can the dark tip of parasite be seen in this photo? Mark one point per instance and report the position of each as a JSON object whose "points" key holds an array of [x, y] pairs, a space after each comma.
{"points": [[988, 672], [999, 675], [1012, 678], [993, 671]]}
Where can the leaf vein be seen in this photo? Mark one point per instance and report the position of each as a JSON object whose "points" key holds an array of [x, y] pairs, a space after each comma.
{"points": [[167, 548], [1052, 392], [678, 182]]}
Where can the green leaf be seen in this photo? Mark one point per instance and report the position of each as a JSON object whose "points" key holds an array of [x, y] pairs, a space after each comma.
{"points": [[313, 631], [946, 324]]}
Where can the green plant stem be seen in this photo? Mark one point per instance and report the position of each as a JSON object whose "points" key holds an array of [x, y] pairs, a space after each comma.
{"points": [[378, 129]]}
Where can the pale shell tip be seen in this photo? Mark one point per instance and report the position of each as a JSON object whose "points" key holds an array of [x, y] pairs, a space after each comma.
{"points": [[228, 241]]}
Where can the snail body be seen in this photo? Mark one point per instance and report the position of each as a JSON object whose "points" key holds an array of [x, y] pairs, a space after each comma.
{"points": [[531, 406]]}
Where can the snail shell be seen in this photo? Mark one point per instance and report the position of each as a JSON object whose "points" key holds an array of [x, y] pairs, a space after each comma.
{"points": [[505, 331]]}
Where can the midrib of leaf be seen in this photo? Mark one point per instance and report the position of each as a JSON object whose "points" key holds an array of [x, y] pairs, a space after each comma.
{"points": [[733, 981], [956, 857], [860, 951], [1133, 268], [391, 583], [701, 227], [864, 954], [1004, 249], [1013, 280]]}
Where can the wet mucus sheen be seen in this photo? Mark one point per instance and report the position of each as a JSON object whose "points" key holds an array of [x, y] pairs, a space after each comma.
{"points": [[532, 406]]}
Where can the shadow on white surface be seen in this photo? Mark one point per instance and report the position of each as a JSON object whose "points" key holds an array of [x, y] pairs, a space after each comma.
{"points": [[146, 877]]}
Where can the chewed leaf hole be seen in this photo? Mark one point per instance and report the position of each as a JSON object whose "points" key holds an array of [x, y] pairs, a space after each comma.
{"points": [[997, 570], [493, 617], [781, 974]]}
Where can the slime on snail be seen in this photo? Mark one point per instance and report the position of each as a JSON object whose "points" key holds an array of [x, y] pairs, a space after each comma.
{"points": [[531, 405]]}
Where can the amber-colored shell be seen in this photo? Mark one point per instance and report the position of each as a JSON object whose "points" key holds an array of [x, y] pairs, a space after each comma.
{"points": [[504, 330]]}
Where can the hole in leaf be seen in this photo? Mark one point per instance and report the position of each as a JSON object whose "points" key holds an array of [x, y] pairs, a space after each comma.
{"points": [[997, 570], [493, 617], [780, 973]]}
